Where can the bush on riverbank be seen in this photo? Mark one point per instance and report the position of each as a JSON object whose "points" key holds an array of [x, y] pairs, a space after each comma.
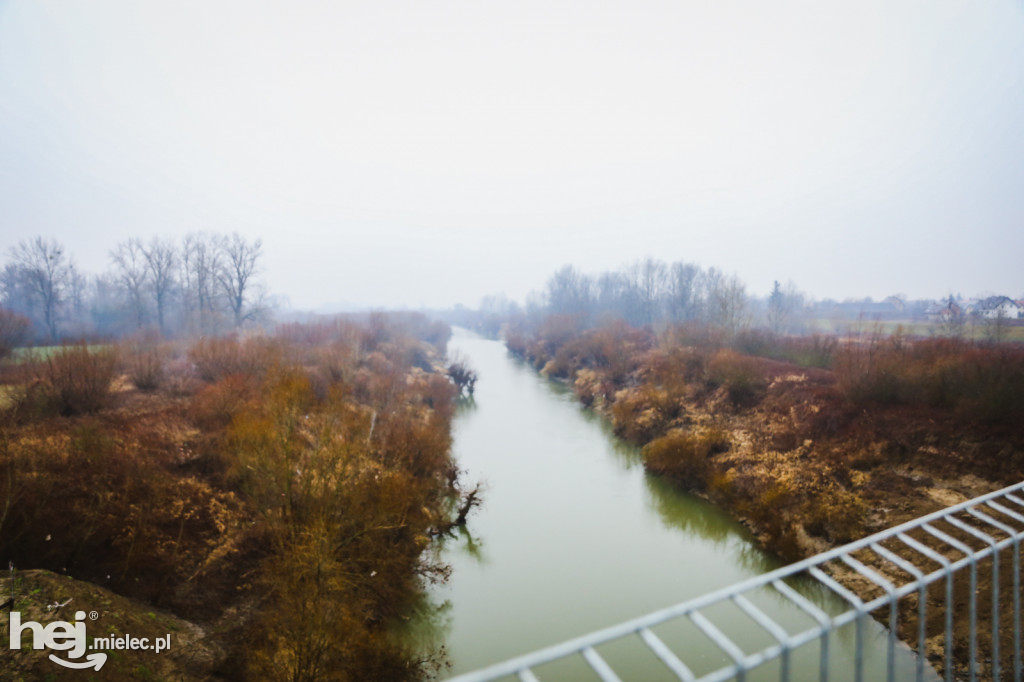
{"points": [[683, 458], [841, 438], [982, 383], [280, 493]]}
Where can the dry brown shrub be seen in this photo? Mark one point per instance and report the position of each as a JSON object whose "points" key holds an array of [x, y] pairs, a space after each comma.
{"points": [[75, 380], [145, 367], [613, 349], [983, 383], [642, 413], [180, 377], [317, 503], [213, 407], [682, 457], [88, 500], [675, 367], [516, 342], [835, 514], [815, 350], [740, 375], [15, 331], [217, 357], [721, 487]]}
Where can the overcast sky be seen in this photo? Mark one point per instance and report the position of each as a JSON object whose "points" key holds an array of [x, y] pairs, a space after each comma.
{"points": [[426, 153]]}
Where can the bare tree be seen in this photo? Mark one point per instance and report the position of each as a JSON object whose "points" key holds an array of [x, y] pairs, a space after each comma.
{"points": [[200, 264], [995, 327], [726, 301], [613, 295], [952, 319], [41, 272], [238, 269], [784, 304], [569, 292], [683, 297], [130, 266], [648, 279], [161, 262], [79, 289]]}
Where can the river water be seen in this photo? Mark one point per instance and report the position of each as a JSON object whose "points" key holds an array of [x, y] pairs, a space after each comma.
{"points": [[574, 536]]}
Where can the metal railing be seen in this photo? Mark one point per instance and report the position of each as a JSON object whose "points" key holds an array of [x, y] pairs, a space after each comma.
{"points": [[923, 578]]}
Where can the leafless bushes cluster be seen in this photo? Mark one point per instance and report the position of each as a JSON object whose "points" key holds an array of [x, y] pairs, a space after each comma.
{"points": [[462, 375], [308, 471], [973, 381], [15, 331], [68, 381], [683, 457]]}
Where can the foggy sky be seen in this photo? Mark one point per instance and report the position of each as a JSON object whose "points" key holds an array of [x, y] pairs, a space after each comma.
{"points": [[421, 154]]}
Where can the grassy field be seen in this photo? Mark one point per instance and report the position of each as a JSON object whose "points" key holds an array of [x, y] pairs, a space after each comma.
{"points": [[29, 353], [1013, 333]]}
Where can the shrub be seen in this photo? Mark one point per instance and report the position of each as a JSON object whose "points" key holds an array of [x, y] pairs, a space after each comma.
{"points": [[816, 350], [683, 457], [613, 348], [516, 342], [15, 331], [217, 357], [214, 406], [837, 515], [76, 379], [675, 368], [982, 383], [557, 330], [695, 335], [642, 413], [462, 374], [757, 342], [84, 503], [870, 371], [145, 368], [740, 375]]}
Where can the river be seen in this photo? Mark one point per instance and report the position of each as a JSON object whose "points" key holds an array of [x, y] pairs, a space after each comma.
{"points": [[574, 536]]}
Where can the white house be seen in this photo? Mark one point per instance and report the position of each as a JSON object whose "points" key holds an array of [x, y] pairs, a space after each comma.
{"points": [[998, 307]]}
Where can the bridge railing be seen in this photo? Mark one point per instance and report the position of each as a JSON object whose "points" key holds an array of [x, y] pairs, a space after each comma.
{"points": [[948, 583]]}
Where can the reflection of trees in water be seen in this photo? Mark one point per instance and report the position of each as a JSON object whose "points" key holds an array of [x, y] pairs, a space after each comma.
{"points": [[429, 622], [628, 455], [677, 509], [426, 628], [465, 404], [469, 545], [693, 516]]}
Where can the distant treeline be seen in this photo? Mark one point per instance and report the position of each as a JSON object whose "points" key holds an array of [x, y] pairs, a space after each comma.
{"points": [[648, 292], [652, 293], [204, 284]]}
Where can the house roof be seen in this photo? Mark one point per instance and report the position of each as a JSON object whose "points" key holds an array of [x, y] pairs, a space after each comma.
{"points": [[993, 302]]}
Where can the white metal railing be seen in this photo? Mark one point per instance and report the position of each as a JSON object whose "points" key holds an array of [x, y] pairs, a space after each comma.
{"points": [[944, 559]]}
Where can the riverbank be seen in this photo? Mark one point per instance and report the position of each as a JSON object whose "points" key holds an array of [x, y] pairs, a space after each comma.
{"points": [[790, 449], [277, 493]]}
